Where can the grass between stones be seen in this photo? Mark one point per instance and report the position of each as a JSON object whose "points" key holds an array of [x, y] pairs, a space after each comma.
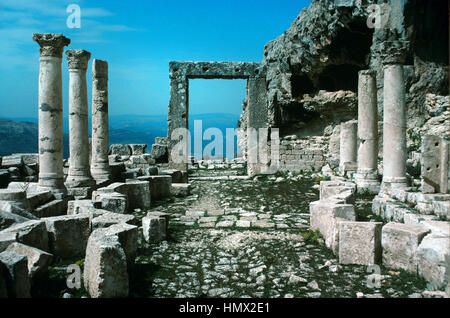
{"points": [[250, 262]]}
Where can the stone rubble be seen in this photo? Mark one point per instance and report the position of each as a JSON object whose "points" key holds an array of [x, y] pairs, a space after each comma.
{"points": [[147, 225]]}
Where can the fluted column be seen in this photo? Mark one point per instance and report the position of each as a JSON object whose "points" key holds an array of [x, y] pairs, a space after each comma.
{"points": [[79, 168], [394, 118], [51, 175], [367, 173], [100, 130]]}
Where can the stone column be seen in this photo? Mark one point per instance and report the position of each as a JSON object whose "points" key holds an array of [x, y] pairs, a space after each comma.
{"points": [[257, 127], [394, 119], [79, 169], [367, 175], [177, 121], [51, 176], [100, 126], [348, 145]]}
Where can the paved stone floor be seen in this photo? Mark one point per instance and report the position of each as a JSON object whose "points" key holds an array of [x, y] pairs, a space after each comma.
{"points": [[240, 237], [251, 238]]}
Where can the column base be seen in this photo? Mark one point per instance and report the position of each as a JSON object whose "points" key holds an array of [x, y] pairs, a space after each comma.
{"points": [[56, 186], [60, 194], [101, 173], [348, 168], [393, 183], [367, 181], [78, 182]]}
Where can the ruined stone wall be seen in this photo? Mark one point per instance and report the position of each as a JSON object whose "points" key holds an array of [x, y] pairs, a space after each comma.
{"points": [[303, 155], [312, 68]]}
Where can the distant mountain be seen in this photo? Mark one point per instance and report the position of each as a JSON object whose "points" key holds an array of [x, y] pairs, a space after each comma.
{"points": [[20, 135]]}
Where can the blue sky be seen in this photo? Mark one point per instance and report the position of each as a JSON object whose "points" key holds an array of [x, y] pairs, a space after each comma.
{"points": [[138, 39]]}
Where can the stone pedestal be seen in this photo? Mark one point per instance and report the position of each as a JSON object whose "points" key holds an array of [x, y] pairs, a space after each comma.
{"points": [[51, 176], [394, 128], [79, 169], [367, 176], [100, 130], [348, 146]]}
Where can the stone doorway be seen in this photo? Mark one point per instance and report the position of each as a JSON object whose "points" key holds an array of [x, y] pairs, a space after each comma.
{"points": [[181, 72]]}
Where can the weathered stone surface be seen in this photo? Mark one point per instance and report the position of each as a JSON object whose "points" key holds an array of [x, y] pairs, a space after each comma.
{"points": [[325, 216], [338, 190], [442, 209], [79, 193], [180, 189], [12, 195], [17, 280], [160, 187], [151, 171], [394, 127], [105, 267], [68, 235], [6, 239], [12, 161], [139, 195], [32, 233], [100, 170], [51, 175], [107, 219], [154, 228], [360, 243], [37, 260], [118, 187], [79, 175], [180, 72], [29, 187], [138, 149], [114, 202], [400, 243], [29, 159], [11, 207], [80, 206], [120, 149], [127, 235], [166, 217], [348, 145], [7, 219], [435, 164], [37, 199], [53, 208], [175, 174], [433, 259], [160, 153]]}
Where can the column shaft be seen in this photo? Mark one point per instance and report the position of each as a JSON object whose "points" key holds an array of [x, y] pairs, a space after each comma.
{"points": [[51, 175], [394, 126], [79, 169], [100, 126], [348, 144]]}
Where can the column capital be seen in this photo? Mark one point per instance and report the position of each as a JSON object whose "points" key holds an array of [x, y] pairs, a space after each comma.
{"points": [[51, 44], [78, 59], [99, 69]]}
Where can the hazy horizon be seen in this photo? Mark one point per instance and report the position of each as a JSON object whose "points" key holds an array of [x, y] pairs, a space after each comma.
{"points": [[138, 39]]}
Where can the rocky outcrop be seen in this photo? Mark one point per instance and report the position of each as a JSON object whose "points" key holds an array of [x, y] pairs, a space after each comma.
{"points": [[331, 41], [316, 53]]}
